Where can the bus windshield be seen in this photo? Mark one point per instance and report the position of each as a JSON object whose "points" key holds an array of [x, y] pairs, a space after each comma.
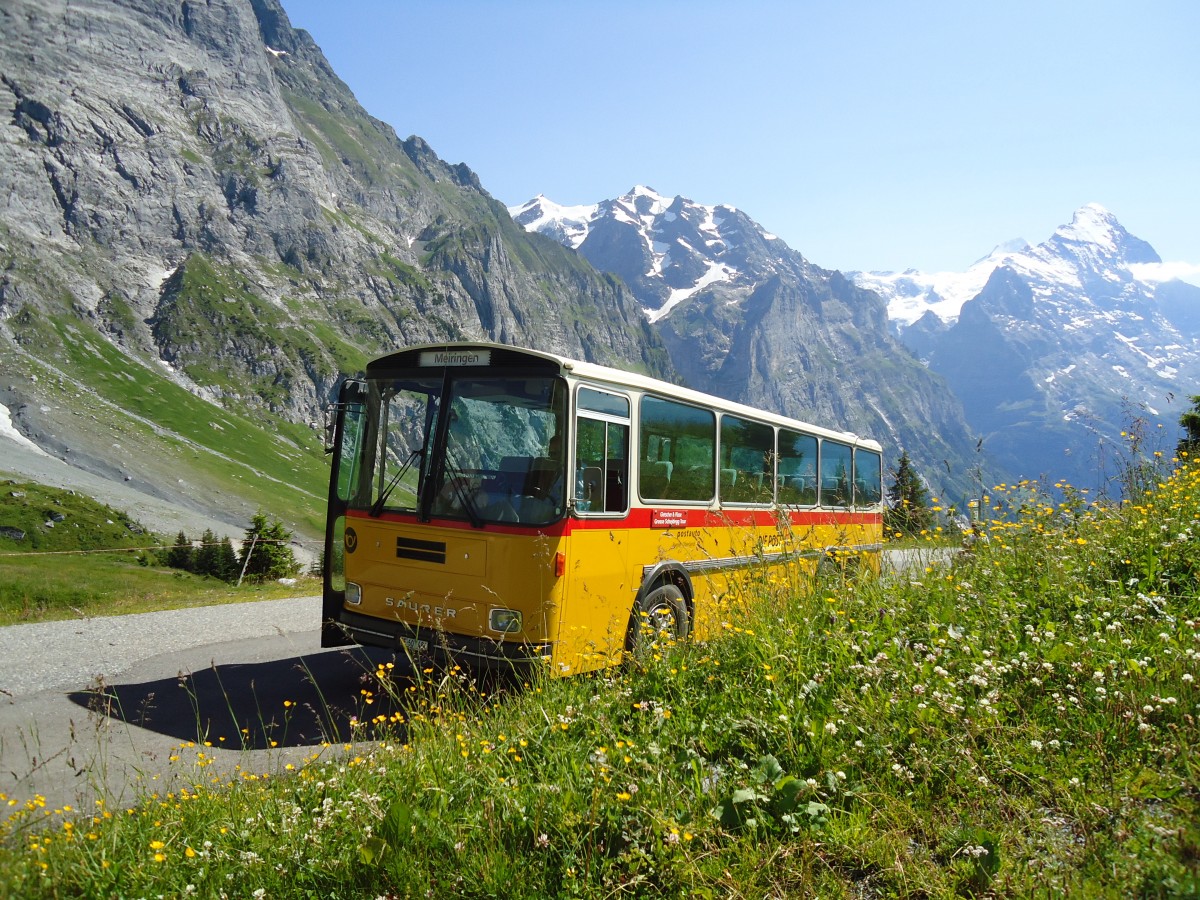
{"points": [[497, 456]]}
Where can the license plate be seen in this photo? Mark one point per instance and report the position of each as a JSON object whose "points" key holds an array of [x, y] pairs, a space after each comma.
{"points": [[416, 646]]}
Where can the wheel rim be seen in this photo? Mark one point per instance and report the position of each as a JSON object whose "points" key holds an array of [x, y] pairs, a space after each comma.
{"points": [[661, 618]]}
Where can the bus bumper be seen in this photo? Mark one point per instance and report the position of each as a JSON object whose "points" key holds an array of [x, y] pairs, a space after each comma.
{"points": [[439, 648]]}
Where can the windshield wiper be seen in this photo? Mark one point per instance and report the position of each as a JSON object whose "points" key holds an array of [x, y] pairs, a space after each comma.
{"points": [[377, 506], [462, 490]]}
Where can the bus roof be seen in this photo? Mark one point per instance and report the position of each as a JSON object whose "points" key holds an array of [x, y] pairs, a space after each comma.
{"points": [[460, 353]]}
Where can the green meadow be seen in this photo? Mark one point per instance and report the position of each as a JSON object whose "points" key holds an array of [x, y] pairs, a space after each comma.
{"points": [[1018, 722], [77, 558]]}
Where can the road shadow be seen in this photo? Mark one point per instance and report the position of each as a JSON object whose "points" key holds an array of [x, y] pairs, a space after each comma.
{"points": [[299, 701]]}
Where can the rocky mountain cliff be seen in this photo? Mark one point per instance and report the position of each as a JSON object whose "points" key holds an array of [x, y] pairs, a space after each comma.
{"points": [[746, 317], [201, 229], [1057, 349]]}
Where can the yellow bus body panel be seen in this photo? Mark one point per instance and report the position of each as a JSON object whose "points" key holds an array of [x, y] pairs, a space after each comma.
{"points": [[584, 615], [479, 571]]}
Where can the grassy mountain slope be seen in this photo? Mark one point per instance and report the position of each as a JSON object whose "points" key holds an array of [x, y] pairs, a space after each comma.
{"points": [[203, 232]]}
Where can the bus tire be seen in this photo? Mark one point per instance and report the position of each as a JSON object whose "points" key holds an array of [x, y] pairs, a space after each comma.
{"points": [[661, 610]]}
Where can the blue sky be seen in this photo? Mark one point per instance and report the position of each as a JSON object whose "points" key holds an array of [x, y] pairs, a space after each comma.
{"points": [[868, 135]]}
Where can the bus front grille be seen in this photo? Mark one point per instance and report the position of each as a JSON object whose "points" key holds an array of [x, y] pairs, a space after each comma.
{"points": [[425, 551]]}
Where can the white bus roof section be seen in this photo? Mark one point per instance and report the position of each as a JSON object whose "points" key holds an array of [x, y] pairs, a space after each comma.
{"points": [[621, 379]]}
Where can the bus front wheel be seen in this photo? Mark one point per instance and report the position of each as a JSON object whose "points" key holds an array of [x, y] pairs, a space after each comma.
{"points": [[662, 613]]}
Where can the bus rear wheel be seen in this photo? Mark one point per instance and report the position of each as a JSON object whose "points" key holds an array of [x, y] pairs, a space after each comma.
{"points": [[660, 614]]}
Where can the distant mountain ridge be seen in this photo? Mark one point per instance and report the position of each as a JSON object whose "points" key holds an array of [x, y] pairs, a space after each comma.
{"points": [[666, 249], [1052, 350], [746, 317], [1094, 242], [1055, 349]]}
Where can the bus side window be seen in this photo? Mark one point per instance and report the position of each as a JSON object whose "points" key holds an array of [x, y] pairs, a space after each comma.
{"points": [[747, 457], [797, 459], [868, 477], [688, 435], [601, 452], [836, 468]]}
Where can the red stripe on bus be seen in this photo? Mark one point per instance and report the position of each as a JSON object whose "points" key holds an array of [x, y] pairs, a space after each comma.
{"points": [[658, 518], [652, 518]]}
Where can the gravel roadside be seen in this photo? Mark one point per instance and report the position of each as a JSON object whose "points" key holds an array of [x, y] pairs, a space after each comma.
{"points": [[100, 708], [68, 655]]}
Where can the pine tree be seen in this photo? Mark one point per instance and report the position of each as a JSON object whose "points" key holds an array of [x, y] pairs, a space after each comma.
{"points": [[205, 561], [181, 555], [266, 553], [227, 567], [908, 511]]}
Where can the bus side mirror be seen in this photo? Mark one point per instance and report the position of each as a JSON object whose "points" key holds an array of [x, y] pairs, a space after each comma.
{"points": [[330, 426]]}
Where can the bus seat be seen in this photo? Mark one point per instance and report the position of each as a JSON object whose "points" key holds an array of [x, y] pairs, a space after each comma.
{"points": [[543, 472], [798, 489], [514, 471], [728, 478]]}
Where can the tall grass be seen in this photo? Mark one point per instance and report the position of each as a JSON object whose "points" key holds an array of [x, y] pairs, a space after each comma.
{"points": [[1019, 723]]}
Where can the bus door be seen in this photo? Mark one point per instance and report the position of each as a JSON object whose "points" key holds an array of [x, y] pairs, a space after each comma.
{"points": [[599, 598], [344, 477]]}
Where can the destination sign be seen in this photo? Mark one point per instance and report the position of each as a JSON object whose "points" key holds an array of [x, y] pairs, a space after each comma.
{"points": [[668, 518], [443, 358]]}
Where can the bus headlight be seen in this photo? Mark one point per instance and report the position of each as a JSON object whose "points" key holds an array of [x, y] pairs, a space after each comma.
{"points": [[353, 593], [506, 621]]}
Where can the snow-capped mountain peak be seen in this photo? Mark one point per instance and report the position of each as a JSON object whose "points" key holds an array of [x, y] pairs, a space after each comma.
{"points": [[1096, 240], [567, 224], [665, 248], [1091, 224], [1093, 249], [645, 201]]}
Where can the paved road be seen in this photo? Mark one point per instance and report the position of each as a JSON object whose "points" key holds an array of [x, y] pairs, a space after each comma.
{"points": [[97, 707]]}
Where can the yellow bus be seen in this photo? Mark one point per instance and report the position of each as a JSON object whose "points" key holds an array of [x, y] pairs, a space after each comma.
{"points": [[502, 507]]}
